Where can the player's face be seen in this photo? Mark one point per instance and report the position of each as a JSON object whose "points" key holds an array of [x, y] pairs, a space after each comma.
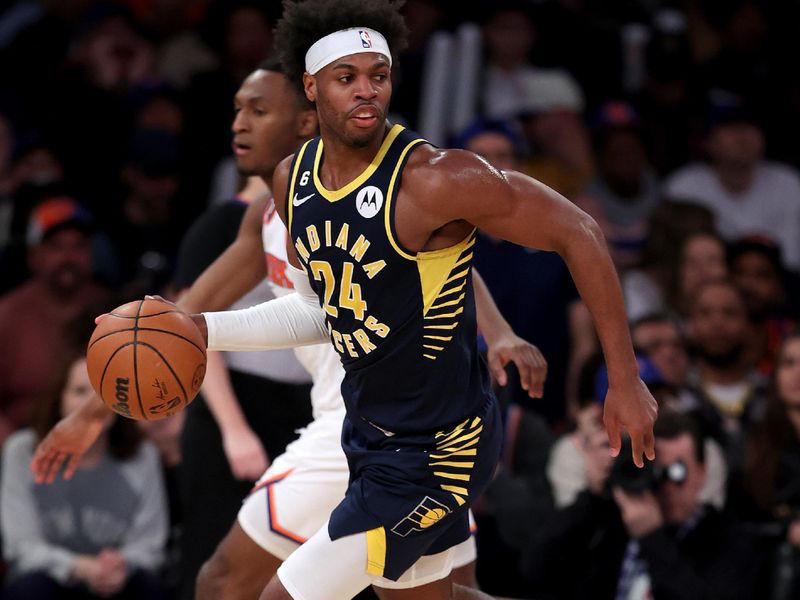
{"points": [[352, 96], [265, 127]]}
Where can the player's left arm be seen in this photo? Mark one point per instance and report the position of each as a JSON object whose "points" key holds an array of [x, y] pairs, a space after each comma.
{"points": [[505, 346], [463, 187]]}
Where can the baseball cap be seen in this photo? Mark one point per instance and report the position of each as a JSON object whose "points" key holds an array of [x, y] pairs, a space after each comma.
{"points": [[725, 108], [55, 214], [546, 90]]}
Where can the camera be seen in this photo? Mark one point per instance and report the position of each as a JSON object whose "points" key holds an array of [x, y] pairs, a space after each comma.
{"points": [[634, 480]]}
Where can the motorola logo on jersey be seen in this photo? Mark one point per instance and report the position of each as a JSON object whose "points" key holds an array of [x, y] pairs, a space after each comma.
{"points": [[369, 201]]}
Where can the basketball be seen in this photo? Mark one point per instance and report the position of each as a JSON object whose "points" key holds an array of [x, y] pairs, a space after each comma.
{"points": [[146, 360]]}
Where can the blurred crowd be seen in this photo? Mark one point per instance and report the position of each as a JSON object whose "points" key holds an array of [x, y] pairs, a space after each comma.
{"points": [[671, 122]]}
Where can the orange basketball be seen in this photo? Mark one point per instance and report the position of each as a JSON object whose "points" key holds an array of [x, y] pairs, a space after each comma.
{"points": [[146, 360]]}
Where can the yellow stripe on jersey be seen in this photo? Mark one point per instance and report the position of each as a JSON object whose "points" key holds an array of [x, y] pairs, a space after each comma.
{"points": [[387, 220], [376, 551], [436, 269], [291, 185], [334, 195]]}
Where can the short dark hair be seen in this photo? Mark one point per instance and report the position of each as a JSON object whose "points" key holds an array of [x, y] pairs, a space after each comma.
{"points": [[671, 425], [305, 22], [273, 65]]}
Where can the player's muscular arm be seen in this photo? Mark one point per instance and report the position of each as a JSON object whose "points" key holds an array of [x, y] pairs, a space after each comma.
{"points": [[236, 271], [463, 187]]}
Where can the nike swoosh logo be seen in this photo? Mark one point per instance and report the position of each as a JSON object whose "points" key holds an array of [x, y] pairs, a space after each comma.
{"points": [[298, 201]]}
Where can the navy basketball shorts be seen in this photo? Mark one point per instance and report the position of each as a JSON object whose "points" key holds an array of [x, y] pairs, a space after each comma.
{"points": [[411, 493]]}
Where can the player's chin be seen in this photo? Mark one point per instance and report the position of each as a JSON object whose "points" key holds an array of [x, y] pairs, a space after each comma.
{"points": [[246, 167], [361, 135]]}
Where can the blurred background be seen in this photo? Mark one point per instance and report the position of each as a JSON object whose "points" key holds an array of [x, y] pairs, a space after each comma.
{"points": [[673, 123]]}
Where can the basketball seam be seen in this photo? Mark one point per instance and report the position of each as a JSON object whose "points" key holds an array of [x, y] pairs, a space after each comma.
{"points": [[119, 316], [136, 362], [177, 335], [169, 366]]}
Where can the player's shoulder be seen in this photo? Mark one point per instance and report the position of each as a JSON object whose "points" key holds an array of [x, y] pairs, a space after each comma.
{"points": [[448, 169]]}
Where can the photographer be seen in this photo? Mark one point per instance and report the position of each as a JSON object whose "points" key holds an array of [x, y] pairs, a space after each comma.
{"points": [[645, 533]]}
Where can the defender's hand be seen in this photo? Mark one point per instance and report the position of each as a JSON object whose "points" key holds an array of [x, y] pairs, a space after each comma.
{"points": [[246, 455], [530, 363], [65, 443], [631, 408]]}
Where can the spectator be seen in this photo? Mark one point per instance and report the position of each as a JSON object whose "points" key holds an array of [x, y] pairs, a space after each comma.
{"points": [[731, 391], [646, 534], [748, 194], [669, 284], [625, 191], [551, 107], [757, 269], [100, 534], [769, 490], [33, 316], [148, 225]]}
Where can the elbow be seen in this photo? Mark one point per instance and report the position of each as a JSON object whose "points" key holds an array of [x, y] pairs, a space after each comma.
{"points": [[584, 234]]}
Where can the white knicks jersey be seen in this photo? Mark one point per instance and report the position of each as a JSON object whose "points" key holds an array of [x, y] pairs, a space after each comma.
{"points": [[320, 360]]}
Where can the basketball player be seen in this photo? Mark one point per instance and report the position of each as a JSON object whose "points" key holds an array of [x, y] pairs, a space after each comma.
{"points": [[381, 227], [296, 495]]}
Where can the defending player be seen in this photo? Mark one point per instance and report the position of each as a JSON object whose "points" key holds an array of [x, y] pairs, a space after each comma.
{"points": [[383, 224], [298, 492]]}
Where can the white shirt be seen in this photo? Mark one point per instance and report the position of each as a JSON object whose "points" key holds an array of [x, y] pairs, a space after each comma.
{"points": [[770, 207]]}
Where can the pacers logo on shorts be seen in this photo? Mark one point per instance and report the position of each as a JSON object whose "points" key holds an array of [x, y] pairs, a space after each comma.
{"points": [[427, 512]]}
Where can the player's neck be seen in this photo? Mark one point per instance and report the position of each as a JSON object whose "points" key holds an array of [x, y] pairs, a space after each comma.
{"points": [[342, 162]]}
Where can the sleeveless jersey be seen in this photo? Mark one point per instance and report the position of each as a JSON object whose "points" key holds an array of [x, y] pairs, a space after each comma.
{"points": [[402, 322]]}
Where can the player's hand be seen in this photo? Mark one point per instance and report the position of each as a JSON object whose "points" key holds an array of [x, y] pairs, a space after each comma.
{"points": [[66, 444], [246, 455], [631, 408], [99, 318], [530, 362]]}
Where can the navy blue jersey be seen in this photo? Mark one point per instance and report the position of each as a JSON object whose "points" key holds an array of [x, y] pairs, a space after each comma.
{"points": [[403, 322]]}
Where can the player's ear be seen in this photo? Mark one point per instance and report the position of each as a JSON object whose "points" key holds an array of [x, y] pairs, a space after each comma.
{"points": [[310, 86], [307, 124]]}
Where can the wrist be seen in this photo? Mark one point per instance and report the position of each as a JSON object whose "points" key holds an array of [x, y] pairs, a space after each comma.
{"points": [[493, 333], [200, 321]]}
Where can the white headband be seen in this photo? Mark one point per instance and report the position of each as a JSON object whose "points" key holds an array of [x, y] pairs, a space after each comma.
{"points": [[355, 40]]}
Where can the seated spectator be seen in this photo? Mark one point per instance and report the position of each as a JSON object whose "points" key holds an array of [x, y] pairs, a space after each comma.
{"points": [[552, 118], [625, 190], [756, 268], [748, 194], [648, 288], [99, 535], [730, 389], [700, 258], [646, 533], [768, 490], [33, 315]]}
